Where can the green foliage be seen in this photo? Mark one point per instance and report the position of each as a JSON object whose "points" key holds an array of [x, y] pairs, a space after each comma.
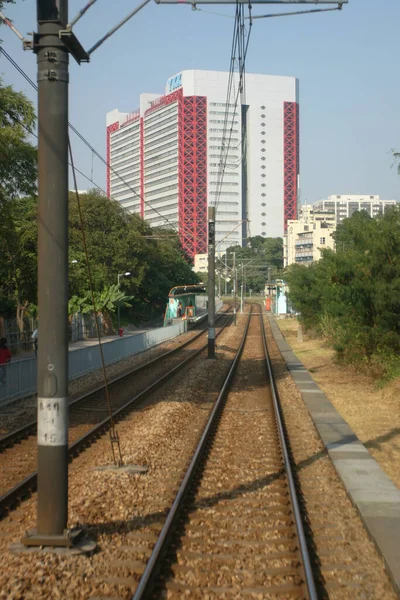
{"points": [[18, 157], [106, 301], [258, 256], [352, 296], [117, 242], [396, 156]]}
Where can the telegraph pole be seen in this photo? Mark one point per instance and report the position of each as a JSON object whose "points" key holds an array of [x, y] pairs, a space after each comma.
{"points": [[211, 282], [52, 60]]}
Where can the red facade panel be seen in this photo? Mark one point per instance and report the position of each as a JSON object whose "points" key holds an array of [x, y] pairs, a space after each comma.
{"points": [[291, 160], [192, 205], [110, 129], [192, 168]]}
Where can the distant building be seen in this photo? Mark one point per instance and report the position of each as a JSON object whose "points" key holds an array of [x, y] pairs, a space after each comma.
{"points": [[307, 236], [313, 230], [346, 205], [200, 263], [165, 157]]}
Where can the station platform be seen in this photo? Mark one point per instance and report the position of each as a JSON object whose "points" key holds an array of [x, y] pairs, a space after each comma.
{"points": [[372, 492]]}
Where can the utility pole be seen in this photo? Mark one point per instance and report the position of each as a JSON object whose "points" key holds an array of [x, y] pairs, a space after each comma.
{"points": [[211, 282], [226, 274], [52, 59], [234, 287]]}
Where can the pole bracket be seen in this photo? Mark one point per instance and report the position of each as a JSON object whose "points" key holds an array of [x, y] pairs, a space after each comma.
{"points": [[74, 46]]}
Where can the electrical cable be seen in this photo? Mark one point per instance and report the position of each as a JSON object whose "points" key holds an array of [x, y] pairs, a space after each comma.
{"points": [[91, 180], [242, 44], [93, 150], [114, 438], [80, 14]]}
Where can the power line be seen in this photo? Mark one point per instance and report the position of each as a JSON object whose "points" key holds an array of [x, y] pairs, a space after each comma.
{"points": [[91, 148], [240, 45]]}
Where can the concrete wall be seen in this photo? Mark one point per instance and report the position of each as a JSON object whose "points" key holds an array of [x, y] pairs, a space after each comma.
{"points": [[20, 377]]}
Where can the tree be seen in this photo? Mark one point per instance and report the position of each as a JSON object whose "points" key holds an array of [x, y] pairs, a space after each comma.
{"points": [[396, 156], [352, 296], [257, 257], [18, 158]]}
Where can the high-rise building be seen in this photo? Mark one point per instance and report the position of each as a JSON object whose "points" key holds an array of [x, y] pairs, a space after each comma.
{"points": [[165, 158]]}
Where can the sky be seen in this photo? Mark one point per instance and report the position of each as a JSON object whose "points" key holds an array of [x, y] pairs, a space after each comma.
{"points": [[346, 62]]}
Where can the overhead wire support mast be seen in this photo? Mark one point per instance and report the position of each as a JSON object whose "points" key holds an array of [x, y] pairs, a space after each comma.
{"points": [[211, 282], [253, 2], [52, 430]]}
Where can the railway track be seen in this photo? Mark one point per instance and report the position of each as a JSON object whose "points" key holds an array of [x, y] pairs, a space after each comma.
{"points": [[235, 529], [89, 417]]}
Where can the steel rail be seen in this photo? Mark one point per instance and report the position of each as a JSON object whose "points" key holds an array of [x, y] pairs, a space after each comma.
{"points": [[28, 485], [152, 566], [312, 592], [29, 429]]}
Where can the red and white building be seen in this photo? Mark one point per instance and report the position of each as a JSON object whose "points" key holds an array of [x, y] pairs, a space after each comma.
{"points": [[165, 157]]}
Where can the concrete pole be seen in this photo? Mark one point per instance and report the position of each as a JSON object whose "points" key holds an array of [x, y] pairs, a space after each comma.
{"points": [[211, 282], [52, 60], [226, 276]]}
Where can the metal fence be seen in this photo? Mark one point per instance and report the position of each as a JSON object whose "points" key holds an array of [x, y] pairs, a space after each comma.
{"points": [[17, 340]]}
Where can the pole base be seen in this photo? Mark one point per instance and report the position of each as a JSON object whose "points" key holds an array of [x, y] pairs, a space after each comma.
{"points": [[72, 541]]}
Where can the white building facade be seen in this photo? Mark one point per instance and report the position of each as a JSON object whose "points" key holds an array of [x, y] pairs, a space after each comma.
{"points": [[344, 206], [308, 235], [165, 158]]}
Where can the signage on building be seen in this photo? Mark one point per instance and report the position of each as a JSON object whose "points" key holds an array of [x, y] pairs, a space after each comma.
{"points": [[174, 83]]}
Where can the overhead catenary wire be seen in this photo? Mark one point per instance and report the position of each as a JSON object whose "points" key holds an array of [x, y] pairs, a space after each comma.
{"points": [[118, 26], [270, 15], [240, 45], [80, 13], [92, 149], [102, 190], [114, 438]]}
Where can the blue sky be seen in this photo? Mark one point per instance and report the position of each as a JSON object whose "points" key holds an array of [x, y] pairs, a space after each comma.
{"points": [[347, 64]]}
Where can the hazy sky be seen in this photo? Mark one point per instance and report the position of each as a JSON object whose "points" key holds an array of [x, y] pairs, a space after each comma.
{"points": [[347, 63]]}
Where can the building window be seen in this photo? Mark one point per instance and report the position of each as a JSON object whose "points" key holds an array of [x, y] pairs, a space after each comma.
{"points": [[263, 224], [263, 167], [263, 214], [263, 141], [263, 158], [263, 203], [262, 124], [263, 233], [263, 195], [263, 133], [263, 185], [263, 116], [262, 149], [322, 241]]}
